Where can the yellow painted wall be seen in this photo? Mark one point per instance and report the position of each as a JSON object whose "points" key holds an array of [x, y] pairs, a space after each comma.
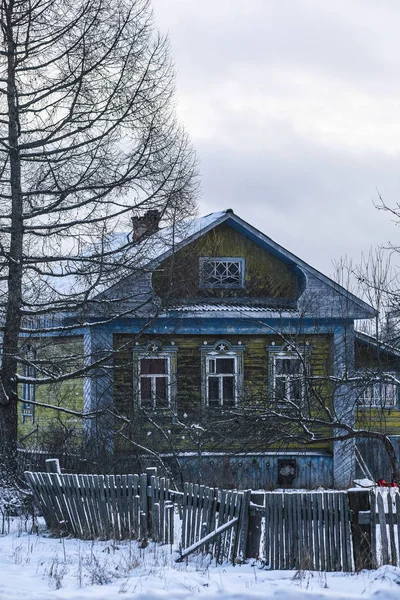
{"points": [[52, 427], [199, 427], [265, 274]]}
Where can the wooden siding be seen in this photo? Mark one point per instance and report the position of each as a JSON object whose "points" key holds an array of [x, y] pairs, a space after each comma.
{"points": [[265, 274], [376, 458], [53, 428], [201, 428], [382, 419], [254, 471]]}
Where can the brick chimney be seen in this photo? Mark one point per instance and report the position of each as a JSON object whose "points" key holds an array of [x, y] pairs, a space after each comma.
{"points": [[145, 225]]}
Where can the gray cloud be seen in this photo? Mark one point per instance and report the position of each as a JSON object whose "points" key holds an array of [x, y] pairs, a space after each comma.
{"points": [[294, 109]]}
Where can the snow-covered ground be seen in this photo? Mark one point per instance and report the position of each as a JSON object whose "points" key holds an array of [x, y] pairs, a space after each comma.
{"points": [[36, 566]]}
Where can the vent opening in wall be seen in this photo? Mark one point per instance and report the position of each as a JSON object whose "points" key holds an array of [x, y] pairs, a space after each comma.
{"points": [[287, 471]]}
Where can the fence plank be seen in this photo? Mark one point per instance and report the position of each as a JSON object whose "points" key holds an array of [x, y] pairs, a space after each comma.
{"points": [[208, 538], [397, 496], [382, 525], [267, 534], [373, 521], [390, 522], [144, 523]]}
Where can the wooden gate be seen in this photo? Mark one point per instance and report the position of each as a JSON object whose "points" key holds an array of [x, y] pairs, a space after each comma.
{"points": [[307, 530]]}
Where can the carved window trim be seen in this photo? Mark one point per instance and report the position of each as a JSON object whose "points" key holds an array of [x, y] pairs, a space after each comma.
{"points": [[220, 351], [155, 350], [221, 272], [291, 352]]}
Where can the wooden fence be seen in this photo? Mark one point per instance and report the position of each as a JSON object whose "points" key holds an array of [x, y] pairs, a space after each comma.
{"points": [[326, 530], [309, 530], [215, 521], [106, 506]]}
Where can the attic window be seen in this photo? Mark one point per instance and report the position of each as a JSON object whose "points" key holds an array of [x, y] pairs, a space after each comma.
{"points": [[222, 272], [28, 389]]}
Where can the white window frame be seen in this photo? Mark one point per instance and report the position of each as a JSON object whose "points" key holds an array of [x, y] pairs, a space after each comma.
{"points": [[203, 260], [153, 377], [155, 350], [222, 349], [291, 353], [221, 377], [28, 390], [374, 400]]}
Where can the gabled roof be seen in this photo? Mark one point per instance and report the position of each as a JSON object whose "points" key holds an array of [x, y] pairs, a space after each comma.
{"points": [[167, 241], [370, 341]]}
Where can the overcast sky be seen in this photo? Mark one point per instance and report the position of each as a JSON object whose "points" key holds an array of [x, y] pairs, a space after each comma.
{"points": [[293, 107]]}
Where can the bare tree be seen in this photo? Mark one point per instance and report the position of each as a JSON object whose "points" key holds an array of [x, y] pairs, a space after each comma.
{"points": [[87, 132]]}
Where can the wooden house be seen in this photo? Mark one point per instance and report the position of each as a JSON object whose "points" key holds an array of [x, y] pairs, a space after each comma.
{"points": [[205, 342]]}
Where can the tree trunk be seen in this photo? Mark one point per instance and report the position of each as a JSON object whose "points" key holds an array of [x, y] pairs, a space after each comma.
{"points": [[394, 462], [9, 387]]}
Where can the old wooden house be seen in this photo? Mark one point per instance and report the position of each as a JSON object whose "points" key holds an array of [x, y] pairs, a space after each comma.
{"points": [[222, 357]]}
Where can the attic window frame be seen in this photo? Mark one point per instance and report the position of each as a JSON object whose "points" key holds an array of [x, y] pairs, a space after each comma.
{"points": [[204, 260]]}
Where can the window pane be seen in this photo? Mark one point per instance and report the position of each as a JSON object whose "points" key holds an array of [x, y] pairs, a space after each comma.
{"points": [[280, 391], [390, 394], [213, 389], [153, 366], [145, 390], [288, 366], [161, 389], [282, 365], [211, 365], [225, 365], [295, 389], [228, 386], [295, 366]]}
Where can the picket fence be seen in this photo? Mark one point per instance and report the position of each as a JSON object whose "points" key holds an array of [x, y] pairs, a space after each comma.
{"points": [[106, 506], [385, 527], [326, 531], [310, 529]]}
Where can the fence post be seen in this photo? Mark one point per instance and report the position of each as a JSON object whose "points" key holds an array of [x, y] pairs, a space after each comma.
{"points": [[151, 475], [359, 500], [53, 465], [243, 529], [255, 519]]}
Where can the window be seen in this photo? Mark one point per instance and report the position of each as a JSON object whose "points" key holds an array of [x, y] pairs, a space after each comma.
{"points": [[380, 394], [28, 389], [288, 377], [287, 368], [155, 375], [221, 272], [154, 381], [222, 379]]}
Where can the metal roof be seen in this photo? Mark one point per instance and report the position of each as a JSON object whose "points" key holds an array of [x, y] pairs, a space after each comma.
{"points": [[230, 307]]}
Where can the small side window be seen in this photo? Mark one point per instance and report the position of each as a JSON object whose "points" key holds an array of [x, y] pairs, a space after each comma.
{"points": [[28, 388], [380, 394]]}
